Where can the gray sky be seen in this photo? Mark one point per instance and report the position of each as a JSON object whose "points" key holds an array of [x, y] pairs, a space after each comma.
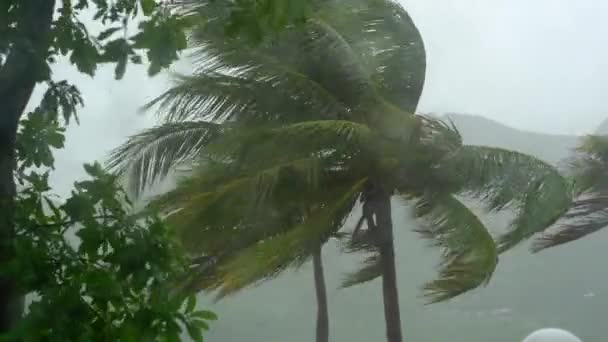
{"points": [[533, 64]]}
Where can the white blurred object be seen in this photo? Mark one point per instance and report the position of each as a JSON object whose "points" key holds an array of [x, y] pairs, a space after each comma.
{"points": [[551, 335]]}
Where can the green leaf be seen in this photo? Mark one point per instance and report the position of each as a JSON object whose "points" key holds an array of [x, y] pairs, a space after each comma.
{"points": [[201, 324], [195, 332], [85, 56], [205, 315], [190, 303]]}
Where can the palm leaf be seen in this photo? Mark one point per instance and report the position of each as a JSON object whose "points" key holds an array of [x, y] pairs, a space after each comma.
{"points": [[267, 258], [589, 212], [469, 255], [334, 142], [288, 58], [215, 96], [507, 179], [350, 49], [371, 270], [388, 44], [223, 202], [148, 156]]}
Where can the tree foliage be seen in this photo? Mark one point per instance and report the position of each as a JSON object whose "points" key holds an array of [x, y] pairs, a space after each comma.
{"points": [[92, 267], [589, 211], [311, 120]]}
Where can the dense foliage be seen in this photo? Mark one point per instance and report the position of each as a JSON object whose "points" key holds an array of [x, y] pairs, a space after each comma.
{"points": [[90, 265], [94, 269]]}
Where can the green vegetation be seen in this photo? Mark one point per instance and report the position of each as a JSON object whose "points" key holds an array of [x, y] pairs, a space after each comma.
{"points": [[79, 280], [95, 270], [284, 139], [298, 116], [589, 212]]}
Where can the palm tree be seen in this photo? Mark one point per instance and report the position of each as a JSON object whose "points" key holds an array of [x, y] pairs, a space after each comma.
{"points": [[589, 211], [311, 91], [290, 134]]}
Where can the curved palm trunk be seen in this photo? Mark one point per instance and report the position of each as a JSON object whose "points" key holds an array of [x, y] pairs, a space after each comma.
{"points": [[390, 293], [321, 292]]}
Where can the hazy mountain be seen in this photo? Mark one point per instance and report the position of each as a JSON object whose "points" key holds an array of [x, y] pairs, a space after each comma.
{"points": [[564, 287], [481, 131], [602, 128]]}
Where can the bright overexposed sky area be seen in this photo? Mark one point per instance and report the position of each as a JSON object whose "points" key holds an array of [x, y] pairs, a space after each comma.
{"points": [[538, 65]]}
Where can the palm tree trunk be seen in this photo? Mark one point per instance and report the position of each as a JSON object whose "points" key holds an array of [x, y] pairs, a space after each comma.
{"points": [[18, 77], [390, 293], [322, 312]]}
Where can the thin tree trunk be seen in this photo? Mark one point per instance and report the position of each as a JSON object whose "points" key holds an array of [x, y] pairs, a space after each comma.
{"points": [[11, 302], [322, 312], [18, 77], [390, 293]]}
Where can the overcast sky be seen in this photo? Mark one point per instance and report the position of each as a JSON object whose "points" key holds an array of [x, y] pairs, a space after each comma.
{"points": [[532, 64]]}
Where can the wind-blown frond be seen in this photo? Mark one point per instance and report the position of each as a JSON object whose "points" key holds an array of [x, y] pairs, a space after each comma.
{"points": [[327, 133], [571, 231], [150, 155], [440, 135], [469, 255], [589, 212], [334, 142], [312, 54], [589, 165], [213, 96], [353, 50], [267, 258], [388, 44], [220, 203], [507, 179], [371, 269]]}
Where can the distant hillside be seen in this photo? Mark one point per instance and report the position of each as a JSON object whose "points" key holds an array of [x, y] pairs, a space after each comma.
{"points": [[481, 131], [602, 128]]}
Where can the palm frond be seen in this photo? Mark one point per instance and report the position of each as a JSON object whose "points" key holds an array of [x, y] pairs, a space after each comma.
{"points": [[286, 59], [508, 179], [370, 270], [469, 255], [215, 96], [571, 231], [216, 207], [388, 43], [589, 165], [267, 258], [440, 135], [589, 212], [150, 155], [334, 142], [326, 133], [353, 50]]}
